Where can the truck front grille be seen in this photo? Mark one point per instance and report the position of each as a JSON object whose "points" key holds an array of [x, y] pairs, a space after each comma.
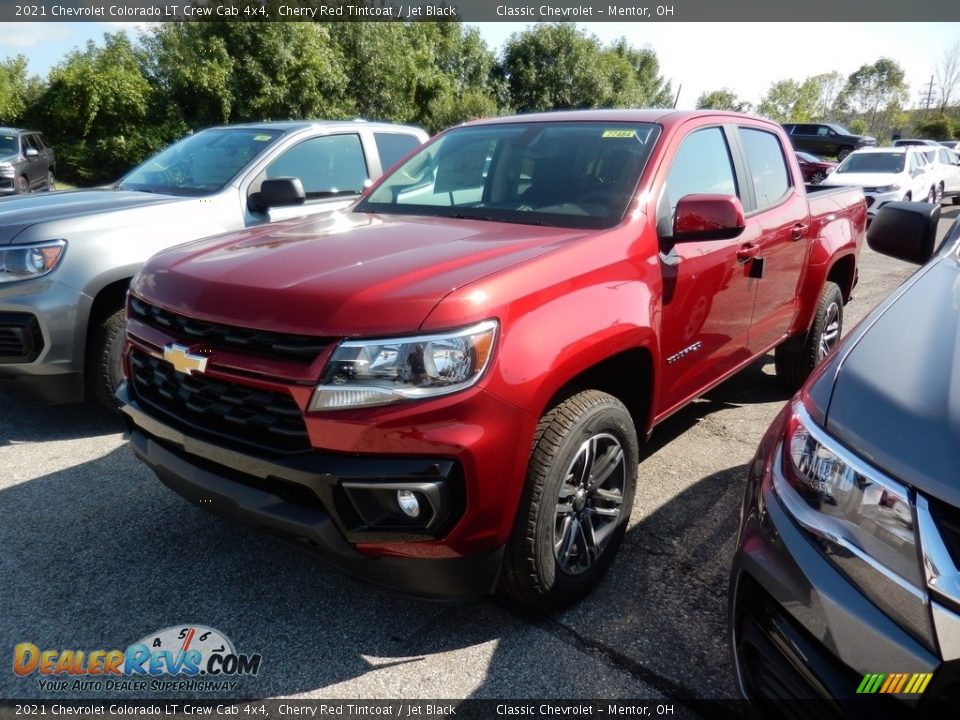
{"points": [[302, 348], [258, 418]]}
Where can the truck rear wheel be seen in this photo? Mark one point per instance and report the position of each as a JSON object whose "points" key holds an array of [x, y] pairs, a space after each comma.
{"points": [[843, 152], [104, 359], [576, 503], [796, 358]]}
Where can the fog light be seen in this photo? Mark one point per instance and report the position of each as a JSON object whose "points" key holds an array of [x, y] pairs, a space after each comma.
{"points": [[408, 503]]}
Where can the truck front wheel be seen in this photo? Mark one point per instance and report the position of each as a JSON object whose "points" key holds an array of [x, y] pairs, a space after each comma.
{"points": [[796, 358], [104, 358], [579, 491]]}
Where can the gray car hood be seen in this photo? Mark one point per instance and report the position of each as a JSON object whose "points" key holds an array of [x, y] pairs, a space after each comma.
{"points": [[21, 212], [896, 392]]}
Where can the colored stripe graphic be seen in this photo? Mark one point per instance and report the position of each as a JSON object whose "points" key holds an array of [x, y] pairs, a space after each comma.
{"points": [[894, 683]]}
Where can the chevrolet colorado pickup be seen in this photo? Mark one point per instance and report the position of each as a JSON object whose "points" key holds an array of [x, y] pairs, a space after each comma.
{"points": [[445, 387], [66, 258]]}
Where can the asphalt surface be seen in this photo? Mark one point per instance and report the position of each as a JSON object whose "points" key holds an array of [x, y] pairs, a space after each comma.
{"points": [[95, 554]]}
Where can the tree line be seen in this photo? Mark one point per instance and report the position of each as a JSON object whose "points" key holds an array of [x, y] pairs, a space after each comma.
{"points": [[107, 106], [872, 100]]}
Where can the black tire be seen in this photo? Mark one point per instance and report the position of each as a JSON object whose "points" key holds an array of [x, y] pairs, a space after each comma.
{"points": [[104, 359], [23, 185], [938, 194], [550, 561], [51, 181], [955, 199], [931, 196], [818, 177], [796, 358], [843, 152]]}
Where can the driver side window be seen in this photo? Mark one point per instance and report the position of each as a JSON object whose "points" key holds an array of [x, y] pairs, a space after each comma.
{"points": [[702, 165], [327, 164]]}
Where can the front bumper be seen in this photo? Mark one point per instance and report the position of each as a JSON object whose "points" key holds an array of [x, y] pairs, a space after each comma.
{"points": [[803, 636], [875, 201], [302, 497], [43, 359]]}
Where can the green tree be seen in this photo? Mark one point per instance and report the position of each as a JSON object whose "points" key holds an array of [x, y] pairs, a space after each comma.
{"points": [[877, 93], [17, 91], [556, 66], [95, 111], [218, 72], [791, 101], [936, 128], [724, 99]]}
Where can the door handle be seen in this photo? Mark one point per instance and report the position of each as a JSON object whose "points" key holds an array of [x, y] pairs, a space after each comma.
{"points": [[798, 231], [747, 252]]}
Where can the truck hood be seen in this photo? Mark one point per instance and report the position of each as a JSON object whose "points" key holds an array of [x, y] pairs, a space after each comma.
{"points": [[896, 394], [112, 206], [344, 274]]}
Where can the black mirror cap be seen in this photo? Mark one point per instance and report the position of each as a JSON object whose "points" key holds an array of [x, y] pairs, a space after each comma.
{"points": [[905, 230], [278, 192]]}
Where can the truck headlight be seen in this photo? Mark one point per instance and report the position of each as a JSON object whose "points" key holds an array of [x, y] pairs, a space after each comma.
{"points": [[367, 373], [7, 170], [22, 262], [861, 519]]}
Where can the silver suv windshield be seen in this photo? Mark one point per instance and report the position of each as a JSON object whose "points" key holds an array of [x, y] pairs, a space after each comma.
{"points": [[200, 164], [563, 174]]}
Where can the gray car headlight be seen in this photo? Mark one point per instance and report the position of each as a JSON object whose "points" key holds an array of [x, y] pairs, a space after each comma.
{"points": [[23, 262], [367, 373], [861, 519], [7, 170]]}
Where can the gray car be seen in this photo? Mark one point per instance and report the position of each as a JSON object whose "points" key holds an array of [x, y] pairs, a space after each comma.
{"points": [[66, 258], [846, 578], [27, 163]]}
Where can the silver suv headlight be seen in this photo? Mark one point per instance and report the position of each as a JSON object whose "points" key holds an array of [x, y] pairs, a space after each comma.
{"points": [[23, 262], [367, 373], [7, 170], [862, 520]]}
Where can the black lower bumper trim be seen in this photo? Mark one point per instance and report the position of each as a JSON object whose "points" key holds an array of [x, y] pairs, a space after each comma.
{"points": [[258, 492], [50, 389]]}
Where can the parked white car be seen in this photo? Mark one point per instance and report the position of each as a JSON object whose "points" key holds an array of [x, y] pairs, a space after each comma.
{"points": [[887, 175], [945, 171]]}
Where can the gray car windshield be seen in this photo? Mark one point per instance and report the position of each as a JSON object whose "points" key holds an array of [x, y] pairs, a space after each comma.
{"points": [[873, 163], [200, 164], [563, 174]]}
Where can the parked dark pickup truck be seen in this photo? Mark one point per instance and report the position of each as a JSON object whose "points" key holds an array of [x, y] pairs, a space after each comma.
{"points": [[26, 163], [448, 383], [826, 139]]}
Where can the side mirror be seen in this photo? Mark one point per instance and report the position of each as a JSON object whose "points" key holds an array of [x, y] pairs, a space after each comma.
{"points": [[708, 217], [31, 152], [905, 230], [278, 192]]}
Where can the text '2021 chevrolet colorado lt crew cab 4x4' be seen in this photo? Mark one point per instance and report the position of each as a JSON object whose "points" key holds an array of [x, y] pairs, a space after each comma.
{"points": [[66, 258], [448, 383]]}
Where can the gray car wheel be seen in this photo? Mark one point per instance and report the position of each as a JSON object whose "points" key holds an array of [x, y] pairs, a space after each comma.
{"points": [[23, 185], [51, 181]]}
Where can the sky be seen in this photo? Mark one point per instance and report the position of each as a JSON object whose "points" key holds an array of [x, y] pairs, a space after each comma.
{"points": [[696, 57]]}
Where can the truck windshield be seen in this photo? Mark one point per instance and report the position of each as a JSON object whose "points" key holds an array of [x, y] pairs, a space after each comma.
{"points": [[873, 163], [563, 174], [200, 164]]}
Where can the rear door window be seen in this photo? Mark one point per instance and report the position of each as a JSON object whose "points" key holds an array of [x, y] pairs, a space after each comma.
{"points": [[393, 146], [768, 169]]}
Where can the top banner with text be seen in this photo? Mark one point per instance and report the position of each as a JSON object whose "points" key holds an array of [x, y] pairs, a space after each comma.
{"points": [[480, 11]]}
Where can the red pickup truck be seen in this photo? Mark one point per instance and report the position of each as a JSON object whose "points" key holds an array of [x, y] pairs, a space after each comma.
{"points": [[446, 387]]}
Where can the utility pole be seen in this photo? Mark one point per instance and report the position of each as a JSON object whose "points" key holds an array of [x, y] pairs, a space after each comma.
{"points": [[677, 98], [926, 96]]}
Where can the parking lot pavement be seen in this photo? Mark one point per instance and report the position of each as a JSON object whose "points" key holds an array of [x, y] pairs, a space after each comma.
{"points": [[97, 554]]}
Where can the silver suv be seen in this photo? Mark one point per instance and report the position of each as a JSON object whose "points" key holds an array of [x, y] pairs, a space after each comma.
{"points": [[66, 258]]}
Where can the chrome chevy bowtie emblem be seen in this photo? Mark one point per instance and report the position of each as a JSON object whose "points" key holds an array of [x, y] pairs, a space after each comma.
{"points": [[183, 360]]}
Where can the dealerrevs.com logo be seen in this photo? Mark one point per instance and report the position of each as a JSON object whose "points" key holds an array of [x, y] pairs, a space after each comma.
{"points": [[186, 657]]}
